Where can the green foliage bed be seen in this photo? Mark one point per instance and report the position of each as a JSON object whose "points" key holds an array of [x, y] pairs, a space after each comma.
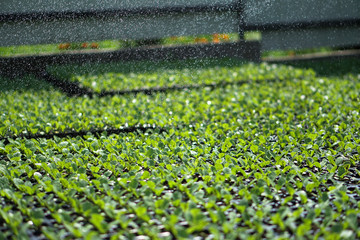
{"points": [[102, 77], [276, 157]]}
